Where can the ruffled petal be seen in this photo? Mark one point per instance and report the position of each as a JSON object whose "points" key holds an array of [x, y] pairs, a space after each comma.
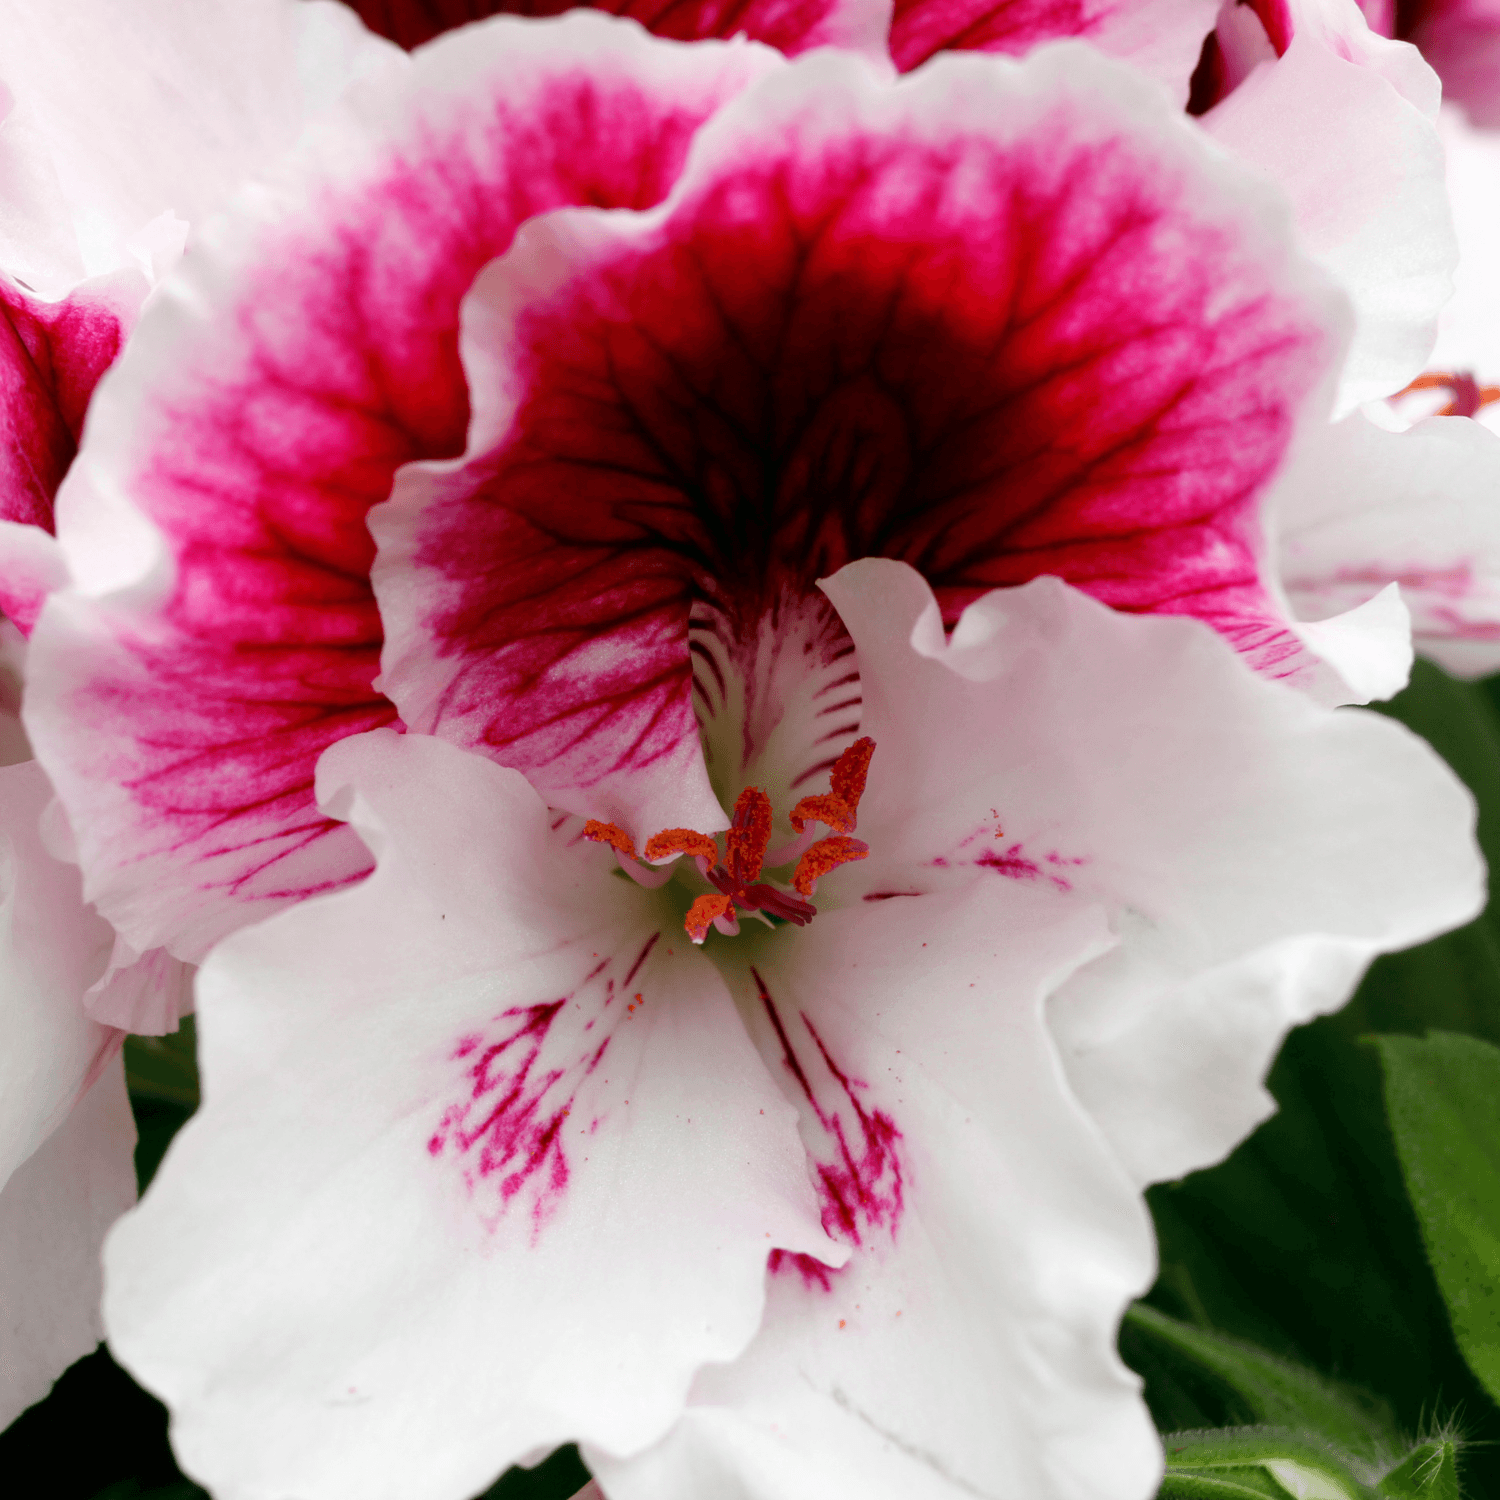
{"points": [[1420, 508], [223, 623], [54, 1212], [1255, 851], [1370, 202], [968, 1345], [791, 26], [1001, 319], [488, 1161]]}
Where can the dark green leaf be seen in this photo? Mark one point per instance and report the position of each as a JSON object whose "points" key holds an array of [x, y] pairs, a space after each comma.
{"points": [[1443, 1097], [1272, 1390]]}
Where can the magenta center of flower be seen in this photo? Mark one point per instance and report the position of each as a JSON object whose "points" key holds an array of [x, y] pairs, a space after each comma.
{"points": [[736, 875]]}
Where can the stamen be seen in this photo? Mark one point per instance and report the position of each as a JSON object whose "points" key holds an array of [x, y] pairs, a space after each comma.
{"points": [[674, 841], [611, 834], [737, 883], [825, 855], [837, 808], [704, 913], [1468, 395]]}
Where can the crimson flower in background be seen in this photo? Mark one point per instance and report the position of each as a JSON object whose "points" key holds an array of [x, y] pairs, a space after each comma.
{"points": [[723, 402]]}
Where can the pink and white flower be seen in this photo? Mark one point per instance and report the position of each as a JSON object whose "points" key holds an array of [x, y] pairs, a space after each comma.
{"points": [[1140, 349], [650, 339], [118, 129], [492, 1156]]}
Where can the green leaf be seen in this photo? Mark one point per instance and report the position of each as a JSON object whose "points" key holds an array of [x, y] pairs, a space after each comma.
{"points": [[1443, 1099], [1272, 1390], [1430, 1472]]}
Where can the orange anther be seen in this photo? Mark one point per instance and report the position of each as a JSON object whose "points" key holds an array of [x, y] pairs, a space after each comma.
{"points": [[1468, 395], [680, 841], [745, 843], [825, 855], [838, 807], [701, 915], [608, 833]]}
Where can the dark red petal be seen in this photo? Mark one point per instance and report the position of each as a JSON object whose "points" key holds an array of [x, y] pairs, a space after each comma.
{"points": [[314, 350], [1162, 36], [791, 25], [51, 357], [1011, 336]]}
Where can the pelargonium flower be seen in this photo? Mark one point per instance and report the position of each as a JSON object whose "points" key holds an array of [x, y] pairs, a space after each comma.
{"points": [[494, 1155], [114, 136], [1139, 342], [665, 336]]}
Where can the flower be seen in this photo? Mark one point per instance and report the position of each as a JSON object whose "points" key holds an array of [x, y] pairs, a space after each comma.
{"points": [[110, 133], [644, 341], [493, 1156], [310, 348]]}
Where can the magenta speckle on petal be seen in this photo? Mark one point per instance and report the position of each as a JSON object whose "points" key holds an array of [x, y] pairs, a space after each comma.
{"points": [[857, 1162]]}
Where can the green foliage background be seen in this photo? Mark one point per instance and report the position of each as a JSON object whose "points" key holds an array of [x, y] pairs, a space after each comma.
{"points": [[1295, 1299]]}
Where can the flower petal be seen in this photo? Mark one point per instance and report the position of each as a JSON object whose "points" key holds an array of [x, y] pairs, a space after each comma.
{"points": [[1254, 849], [1161, 37], [1469, 336], [999, 320], [63, 1176], [166, 104], [51, 357], [1369, 507], [489, 1162], [54, 1211], [1370, 202], [968, 1345], [791, 26], [54, 949], [306, 351]]}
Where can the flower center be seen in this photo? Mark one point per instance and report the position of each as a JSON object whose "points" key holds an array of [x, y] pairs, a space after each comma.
{"points": [[736, 877]]}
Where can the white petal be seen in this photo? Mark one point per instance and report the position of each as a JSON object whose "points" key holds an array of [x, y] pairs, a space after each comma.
{"points": [[484, 1163], [968, 1346], [54, 1211], [52, 947], [167, 104], [1255, 850], [1370, 201], [1366, 507]]}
